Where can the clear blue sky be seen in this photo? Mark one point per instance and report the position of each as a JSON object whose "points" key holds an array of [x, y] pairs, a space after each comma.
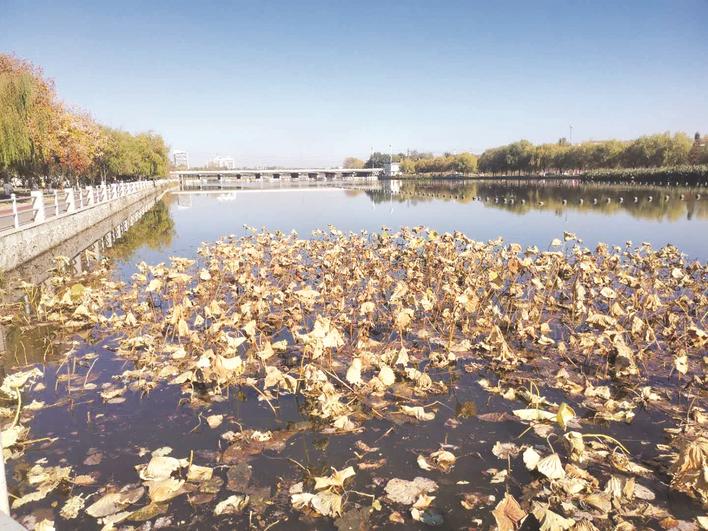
{"points": [[304, 83]]}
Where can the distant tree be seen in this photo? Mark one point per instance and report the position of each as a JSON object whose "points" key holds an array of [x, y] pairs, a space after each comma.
{"points": [[658, 150], [492, 161], [607, 154], [78, 139], [417, 155], [408, 166], [543, 158], [644, 152], [353, 163], [378, 159], [519, 156], [15, 100], [465, 163]]}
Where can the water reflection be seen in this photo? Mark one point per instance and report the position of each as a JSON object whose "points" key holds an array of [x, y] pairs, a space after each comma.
{"points": [[527, 212], [149, 227], [658, 203], [20, 346], [154, 230]]}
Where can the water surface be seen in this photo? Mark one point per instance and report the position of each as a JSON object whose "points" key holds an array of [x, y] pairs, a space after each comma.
{"points": [[530, 214]]}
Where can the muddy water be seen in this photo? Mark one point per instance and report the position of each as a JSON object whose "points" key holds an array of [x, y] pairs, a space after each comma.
{"points": [[84, 425]]}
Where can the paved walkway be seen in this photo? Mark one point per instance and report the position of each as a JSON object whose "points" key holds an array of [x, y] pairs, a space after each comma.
{"points": [[24, 211]]}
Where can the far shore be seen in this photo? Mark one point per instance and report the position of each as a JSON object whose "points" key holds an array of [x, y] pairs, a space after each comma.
{"points": [[687, 175]]}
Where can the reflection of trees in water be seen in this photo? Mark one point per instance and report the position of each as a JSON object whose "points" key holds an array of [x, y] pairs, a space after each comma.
{"points": [[21, 345], [422, 191], [25, 345], [155, 230], [645, 202]]}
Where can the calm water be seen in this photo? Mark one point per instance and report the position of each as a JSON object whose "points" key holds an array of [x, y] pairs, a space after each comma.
{"points": [[530, 214]]}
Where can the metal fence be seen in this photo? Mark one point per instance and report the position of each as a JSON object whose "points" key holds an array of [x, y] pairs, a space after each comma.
{"points": [[43, 205]]}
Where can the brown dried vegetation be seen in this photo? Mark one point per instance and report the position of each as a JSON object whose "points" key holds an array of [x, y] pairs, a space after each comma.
{"points": [[374, 326]]}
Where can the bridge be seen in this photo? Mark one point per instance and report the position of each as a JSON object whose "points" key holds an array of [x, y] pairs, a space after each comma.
{"points": [[277, 174]]}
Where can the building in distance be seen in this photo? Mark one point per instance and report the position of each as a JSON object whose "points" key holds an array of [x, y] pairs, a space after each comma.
{"points": [[180, 159], [222, 163], [391, 169]]}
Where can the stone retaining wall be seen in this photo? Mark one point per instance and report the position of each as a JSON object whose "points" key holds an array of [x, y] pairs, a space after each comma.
{"points": [[30, 241]]}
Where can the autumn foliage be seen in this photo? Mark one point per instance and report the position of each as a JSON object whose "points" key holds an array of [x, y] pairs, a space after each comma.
{"points": [[43, 141]]}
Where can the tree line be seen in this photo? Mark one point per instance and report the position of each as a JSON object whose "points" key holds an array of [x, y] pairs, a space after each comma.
{"points": [[43, 141], [650, 151], [463, 163], [662, 150], [419, 162]]}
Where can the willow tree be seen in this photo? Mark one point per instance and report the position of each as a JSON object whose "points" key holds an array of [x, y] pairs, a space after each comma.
{"points": [[15, 101]]}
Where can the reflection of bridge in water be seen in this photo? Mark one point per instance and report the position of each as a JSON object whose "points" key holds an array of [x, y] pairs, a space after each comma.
{"points": [[226, 191], [217, 177]]}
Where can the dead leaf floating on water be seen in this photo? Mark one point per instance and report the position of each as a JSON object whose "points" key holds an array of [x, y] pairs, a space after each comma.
{"points": [[232, 505], [689, 472], [114, 502], [387, 376], [161, 467], [199, 473], [418, 412], [407, 492], [551, 467], [551, 521], [72, 507], [328, 501], [336, 479], [508, 513], [214, 421], [162, 490], [505, 450], [531, 458]]}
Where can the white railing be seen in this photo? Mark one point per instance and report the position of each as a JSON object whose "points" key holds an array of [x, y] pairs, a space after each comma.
{"points": [[42, 205]]}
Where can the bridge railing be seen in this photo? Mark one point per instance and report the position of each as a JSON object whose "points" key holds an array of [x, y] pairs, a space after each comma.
{"points": [[42, 205]]}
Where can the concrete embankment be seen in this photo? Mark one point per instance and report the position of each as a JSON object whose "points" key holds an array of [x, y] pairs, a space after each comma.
{"points": [[65, 232]]}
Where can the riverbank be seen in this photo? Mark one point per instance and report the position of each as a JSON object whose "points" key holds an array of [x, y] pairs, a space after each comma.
{"points": [[37, 227], [670, 175]]}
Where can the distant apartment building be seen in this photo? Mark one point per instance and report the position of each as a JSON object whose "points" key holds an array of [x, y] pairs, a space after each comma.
{"points": [[180, 159], [222, 163]]}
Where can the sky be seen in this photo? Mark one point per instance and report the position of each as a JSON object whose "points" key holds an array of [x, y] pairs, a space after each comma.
{"points": [[307, 83]]}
